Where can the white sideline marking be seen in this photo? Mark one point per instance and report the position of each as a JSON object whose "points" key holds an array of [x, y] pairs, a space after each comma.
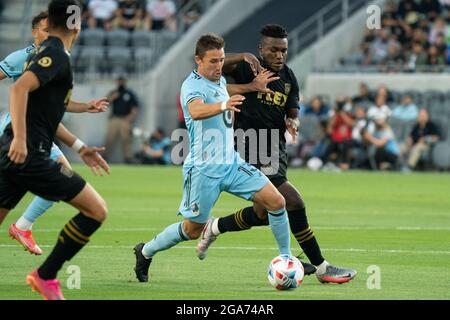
{"points": [[405, 228], [255, 249]]}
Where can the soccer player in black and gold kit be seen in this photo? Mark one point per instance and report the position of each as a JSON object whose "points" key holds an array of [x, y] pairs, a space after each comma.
{"points": [[38, 101], [277, 111]]}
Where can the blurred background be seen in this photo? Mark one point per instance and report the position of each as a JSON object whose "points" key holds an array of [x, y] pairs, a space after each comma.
{"points": [[359, 81]]}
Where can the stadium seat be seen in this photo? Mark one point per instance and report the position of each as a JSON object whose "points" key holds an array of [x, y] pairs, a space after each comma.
{"points": [[93, 37], [143, 59], [119, 60], [441, 154], [118, 38], [397, 126], [91, 58], [141, 38]]}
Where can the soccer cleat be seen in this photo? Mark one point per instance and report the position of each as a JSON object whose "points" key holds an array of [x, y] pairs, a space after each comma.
{"points": [[49, 289], [142, 263], [308, 268], [206, 239], [25, 238], [335, 274]]}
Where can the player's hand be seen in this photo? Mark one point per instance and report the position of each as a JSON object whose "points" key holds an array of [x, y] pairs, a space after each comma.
{"points": [[254, 63], [18, 151], [235, 101], [100, 105], [94, 160], [292, 126], [263, 79]]}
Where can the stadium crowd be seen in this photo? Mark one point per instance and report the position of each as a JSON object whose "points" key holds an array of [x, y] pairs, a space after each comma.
{"points": [[414, 37], [372, 130], [136, 14]]}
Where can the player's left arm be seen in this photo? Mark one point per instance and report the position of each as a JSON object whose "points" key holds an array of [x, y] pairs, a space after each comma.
{"points": [[90, 155], [92, 106], [18, 101]]}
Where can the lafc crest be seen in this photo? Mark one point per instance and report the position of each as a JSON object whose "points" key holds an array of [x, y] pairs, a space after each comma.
{"points": [[287, 88]]}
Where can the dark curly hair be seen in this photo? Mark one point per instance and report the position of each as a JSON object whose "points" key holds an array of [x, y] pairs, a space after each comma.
{"points": [[274, 31]]}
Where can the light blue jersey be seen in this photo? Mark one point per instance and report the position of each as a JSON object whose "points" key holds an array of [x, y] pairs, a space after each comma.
{"points": [[212, 165], [12, 67], [211, 140]]}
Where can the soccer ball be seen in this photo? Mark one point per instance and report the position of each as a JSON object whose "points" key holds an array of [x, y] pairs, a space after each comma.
{"points": [[285, 272]]}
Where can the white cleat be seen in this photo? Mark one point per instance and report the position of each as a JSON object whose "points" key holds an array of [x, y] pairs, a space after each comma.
{"points": [[206, 239]]}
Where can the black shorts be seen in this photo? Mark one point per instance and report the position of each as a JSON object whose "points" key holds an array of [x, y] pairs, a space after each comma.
{"points": [[277, 175], [43, 177]]}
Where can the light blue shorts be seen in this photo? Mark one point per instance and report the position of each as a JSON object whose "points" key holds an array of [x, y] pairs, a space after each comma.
{"points": [[55, 152], [201, 192]]}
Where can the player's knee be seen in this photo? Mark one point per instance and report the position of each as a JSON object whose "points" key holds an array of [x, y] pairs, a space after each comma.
{"points": [[99, 210], [276, 202]]}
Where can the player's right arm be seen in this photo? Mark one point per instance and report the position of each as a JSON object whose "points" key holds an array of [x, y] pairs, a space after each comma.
{"points": [[18, 101], [199, 110]]}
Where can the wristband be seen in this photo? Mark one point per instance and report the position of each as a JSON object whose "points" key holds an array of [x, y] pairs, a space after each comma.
{"points": [[223, 106], [77, 145]]}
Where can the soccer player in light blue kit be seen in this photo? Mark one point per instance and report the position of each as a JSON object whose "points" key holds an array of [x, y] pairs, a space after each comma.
{"points": [[11, 67], [212, 165]]}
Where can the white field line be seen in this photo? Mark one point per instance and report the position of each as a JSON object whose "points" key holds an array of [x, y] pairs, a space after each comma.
{"points": [[394, 251], [356, 228]]}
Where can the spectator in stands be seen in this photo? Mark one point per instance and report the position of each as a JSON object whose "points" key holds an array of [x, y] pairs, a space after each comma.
{"points": [[102, 13], [407, 110], [394, 60], [124, 110], [379, 45], [160, 15], [340, 132], [384, 148], [319, 109], [439, 28], [358, 145], [156, 150], [423, 135], [416, 58], [380, 107], [436, 58], [365, 97], [405, 7], [430, 8], [130, 15], [385, 93]]}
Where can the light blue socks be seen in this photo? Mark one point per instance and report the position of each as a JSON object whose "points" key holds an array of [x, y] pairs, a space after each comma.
{"points": [[170, 237], [279, 223]]}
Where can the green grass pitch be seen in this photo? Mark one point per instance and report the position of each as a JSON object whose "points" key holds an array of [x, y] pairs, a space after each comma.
{"points": [[399, 223]]}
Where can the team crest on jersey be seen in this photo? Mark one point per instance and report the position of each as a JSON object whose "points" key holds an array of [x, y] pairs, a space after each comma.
{"points": [[287, 88], [217, 94], [45, 62], [195, 209]]}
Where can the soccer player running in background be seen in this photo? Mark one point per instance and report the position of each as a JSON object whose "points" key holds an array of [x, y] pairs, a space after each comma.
{"points": [[12, 67], [212, 165], [272, 111], [38, 101]]}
